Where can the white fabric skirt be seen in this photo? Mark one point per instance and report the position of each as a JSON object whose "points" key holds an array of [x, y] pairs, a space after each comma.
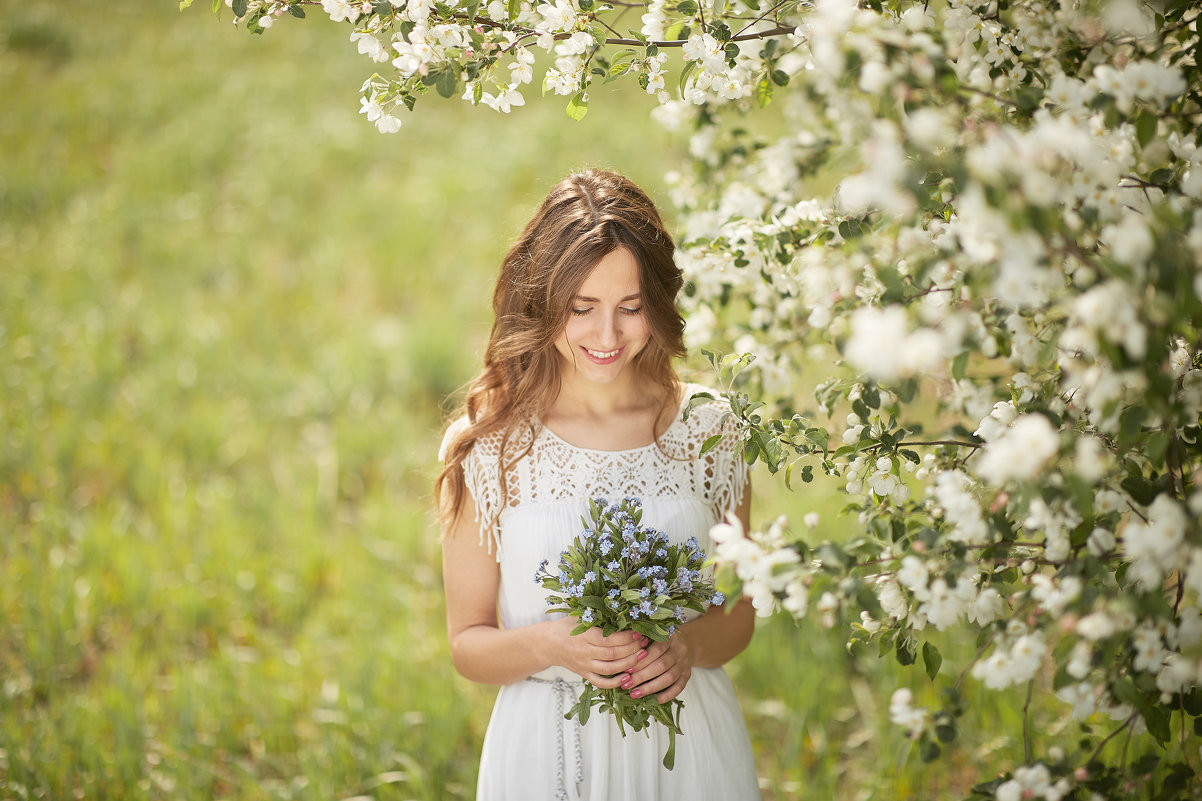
{"points": [[532, 754]]}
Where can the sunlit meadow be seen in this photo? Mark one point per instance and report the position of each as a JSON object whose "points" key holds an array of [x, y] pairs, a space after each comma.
{"points": [[230, 315]]}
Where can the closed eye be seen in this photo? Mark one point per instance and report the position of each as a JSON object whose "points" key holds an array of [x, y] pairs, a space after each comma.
{"points": [[624, 309]]}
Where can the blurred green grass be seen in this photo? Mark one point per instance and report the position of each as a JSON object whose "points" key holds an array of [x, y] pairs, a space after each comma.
{"points": [[230, 313]]}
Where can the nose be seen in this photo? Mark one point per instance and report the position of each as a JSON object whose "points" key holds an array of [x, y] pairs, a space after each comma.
{"points": [[611, 330]]}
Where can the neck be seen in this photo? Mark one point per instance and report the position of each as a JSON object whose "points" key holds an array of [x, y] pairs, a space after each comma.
{"points": [[580, 398]]}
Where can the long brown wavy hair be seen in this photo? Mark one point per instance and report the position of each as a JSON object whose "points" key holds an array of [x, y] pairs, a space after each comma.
{"points": [[586, 216]]}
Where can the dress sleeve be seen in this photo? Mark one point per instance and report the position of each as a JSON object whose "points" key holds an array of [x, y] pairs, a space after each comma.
{"points": [[725, 471], [481, 480]]}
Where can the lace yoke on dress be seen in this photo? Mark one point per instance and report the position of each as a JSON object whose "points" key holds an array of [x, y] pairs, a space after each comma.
{"points": [[551, 470]]}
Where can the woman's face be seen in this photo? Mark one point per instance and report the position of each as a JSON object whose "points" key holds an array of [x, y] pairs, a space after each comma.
{"points": [[606, 326]]}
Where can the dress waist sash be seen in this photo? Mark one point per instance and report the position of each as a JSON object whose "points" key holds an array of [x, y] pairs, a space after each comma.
{"points": [[566, 693]]}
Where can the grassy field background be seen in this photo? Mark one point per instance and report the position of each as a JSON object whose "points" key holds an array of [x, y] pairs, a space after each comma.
{"points": [[230, 313]]}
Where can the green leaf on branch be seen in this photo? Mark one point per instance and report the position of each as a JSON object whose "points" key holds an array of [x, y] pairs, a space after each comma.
{"points": [[1145, 127], [688, 8], [851, 229], [239, 8], [1029, 99], [684, 74], [1152, 713], [830, 554], [447, 82], [1141, 489], [710, 443], [929, 750], [780, 77], [932, 659], [960, 365], [1161, 177], [818, 436], [695, 401], [906, 651], [577, 107], [763, 92], [1192, 702], [769, 448], [623, 60], [514, 7]]}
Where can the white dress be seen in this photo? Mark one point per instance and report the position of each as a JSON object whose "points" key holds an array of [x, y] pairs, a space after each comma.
{"points": [[530, 752]]}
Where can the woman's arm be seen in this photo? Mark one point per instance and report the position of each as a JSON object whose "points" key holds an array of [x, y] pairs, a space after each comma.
{"points": [[483, 651], [708, 641]]}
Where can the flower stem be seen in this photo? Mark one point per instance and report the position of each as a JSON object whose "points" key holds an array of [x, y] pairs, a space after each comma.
{"points": [[1110, 737], [1027, 723]]}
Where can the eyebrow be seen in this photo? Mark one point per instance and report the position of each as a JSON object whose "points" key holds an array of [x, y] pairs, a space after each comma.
{"points": [[583, 299]]}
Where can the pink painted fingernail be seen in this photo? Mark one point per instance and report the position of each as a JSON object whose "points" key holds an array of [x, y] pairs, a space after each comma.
{"points": [[641, 655], [627, 682], [644, 642], [630, 670], [636, 637], [636, 693]]}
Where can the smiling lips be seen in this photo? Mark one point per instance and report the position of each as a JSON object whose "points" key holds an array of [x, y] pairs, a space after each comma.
{"points": [[602, 356]]}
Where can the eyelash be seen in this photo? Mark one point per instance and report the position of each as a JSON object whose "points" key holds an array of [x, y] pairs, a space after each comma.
{"points": [[582, 312]]}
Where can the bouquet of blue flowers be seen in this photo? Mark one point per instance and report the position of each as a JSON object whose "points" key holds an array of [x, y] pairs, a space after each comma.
{"points": [[623, 576]]}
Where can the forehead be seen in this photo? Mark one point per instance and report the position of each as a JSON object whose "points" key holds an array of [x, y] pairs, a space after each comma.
{"points": [[616, 275]]}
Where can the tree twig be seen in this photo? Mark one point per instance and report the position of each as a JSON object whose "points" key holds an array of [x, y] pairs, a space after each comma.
{"points": [[991, 96], [746, 37], [763, 16], [1110, 737], [1027, 723]]}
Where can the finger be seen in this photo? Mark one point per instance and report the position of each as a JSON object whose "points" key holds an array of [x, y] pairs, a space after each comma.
{"points": [[603, 682], [656, 676], [672, 692], [625, 665], [656, 685], [615, 654], [656, 662]]}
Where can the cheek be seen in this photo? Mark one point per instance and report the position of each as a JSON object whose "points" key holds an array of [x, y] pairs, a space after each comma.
{"points": [[639, 330], [567, 335], [571, 330]]}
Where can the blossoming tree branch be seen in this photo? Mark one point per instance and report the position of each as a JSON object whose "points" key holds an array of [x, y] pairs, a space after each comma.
{"points": [[984, 221]]}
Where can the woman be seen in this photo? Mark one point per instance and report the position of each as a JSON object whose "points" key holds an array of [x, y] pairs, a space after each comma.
{"points": [[578, 399]]}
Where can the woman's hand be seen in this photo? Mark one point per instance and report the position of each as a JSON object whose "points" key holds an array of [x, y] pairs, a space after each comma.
{"points": [[665, 670], [604, 661]]}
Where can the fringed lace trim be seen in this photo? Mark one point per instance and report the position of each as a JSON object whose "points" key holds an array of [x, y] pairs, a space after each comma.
{"points": [[555, 470]]}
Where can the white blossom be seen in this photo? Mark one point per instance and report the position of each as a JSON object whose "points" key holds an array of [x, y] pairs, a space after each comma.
{"points": [[903, 713], [1155, 546], [340, 10], [504, 100], [1021, 452]]}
